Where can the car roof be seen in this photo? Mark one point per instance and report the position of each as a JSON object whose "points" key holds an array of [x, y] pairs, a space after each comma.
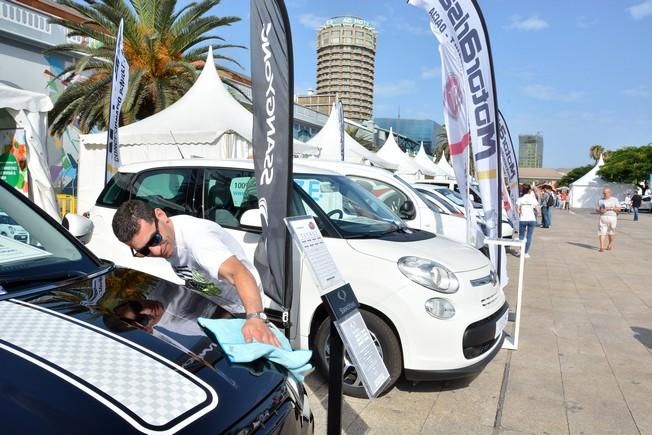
{"points": [[349, 168], [301, 167]]}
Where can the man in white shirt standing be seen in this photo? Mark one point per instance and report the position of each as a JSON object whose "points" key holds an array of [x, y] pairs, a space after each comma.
{"points": [[608, 207], [203, 254]]}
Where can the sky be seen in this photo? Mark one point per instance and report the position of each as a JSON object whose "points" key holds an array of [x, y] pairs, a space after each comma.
{"points": [[579, 72]]}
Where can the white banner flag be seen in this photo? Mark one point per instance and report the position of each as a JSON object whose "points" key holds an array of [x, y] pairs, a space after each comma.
{"points": [[118, 94], [340, 120], [460, 23], [510, 169]]}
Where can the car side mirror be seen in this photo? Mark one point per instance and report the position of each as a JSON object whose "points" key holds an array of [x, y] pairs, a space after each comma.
{"points": [[79, 226], [251, 218], [407, 210]]}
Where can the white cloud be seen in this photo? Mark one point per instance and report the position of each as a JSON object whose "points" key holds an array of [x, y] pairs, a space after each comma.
{"points": [[641, 10], [586, 22], [430, 73], [312, 21], [400, 87], [548, 93], [528, 24], [378, 21], [640, 91]]}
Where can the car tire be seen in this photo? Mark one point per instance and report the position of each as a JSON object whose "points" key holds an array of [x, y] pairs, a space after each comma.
{"points": [[389, 348]]}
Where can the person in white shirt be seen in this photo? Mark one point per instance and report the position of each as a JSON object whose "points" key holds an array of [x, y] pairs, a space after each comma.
{"points": [[203, 254], [608, 207], [526, 206]]}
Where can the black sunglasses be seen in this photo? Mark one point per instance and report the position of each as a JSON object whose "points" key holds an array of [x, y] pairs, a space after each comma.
{"points": [[155, 240], [141, 320]]}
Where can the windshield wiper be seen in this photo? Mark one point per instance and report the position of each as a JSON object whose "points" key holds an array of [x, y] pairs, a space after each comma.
{"points": [[44, 277], [396, 228]]}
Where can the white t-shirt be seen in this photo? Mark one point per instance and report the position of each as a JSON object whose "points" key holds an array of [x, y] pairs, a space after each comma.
{"points": [[201, 248], [609, 203], [526, 204]]}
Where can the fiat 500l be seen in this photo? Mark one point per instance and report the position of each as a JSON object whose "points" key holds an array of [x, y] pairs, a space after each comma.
{"points": [[433, 305], [87, 347]]}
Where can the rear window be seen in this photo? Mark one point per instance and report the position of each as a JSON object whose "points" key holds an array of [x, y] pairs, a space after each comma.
{"points": [[116, 191]]}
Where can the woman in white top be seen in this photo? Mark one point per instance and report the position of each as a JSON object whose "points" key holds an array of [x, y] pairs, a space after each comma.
{"points": [[526, 206]]}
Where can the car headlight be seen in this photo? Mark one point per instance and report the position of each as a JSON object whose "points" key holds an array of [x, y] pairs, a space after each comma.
{"points": [[440, 308], [429, 274]]}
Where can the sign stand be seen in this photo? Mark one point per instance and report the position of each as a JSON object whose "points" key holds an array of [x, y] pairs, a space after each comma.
{"points": [[511, 342], [335, 373], [348, 330]]}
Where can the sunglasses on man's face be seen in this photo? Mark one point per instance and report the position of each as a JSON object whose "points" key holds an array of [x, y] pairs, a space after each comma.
{"points": [[155, 240]]}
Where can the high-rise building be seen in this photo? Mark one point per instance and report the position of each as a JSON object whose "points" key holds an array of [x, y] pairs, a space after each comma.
{"points": [[346, 53], [530, 150]]}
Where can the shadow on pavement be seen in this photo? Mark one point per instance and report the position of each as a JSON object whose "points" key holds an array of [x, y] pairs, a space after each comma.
{"points": [[433, 386], [583, 245], [643, 335]]}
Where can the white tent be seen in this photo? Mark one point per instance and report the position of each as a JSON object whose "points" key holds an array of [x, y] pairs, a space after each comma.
{"points": [[206, 122], [586, 191], [445, 167], [29, 110], [424, 160], [328, 140], [407, 166]]}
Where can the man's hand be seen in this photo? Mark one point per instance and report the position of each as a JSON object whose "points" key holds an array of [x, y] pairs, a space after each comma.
{"points": [[257, 329]]}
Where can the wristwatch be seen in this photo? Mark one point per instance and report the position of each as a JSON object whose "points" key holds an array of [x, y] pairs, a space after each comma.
{"points": [[257, 315]]}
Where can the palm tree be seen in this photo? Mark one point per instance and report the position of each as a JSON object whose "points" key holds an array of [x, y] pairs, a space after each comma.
{"points": [[161, 44], [441, 146], [596, 151]]}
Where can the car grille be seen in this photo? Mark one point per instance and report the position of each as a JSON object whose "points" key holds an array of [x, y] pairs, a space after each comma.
{"points": [[489, 300], [21, 237], [479, 336], [481, 281]]}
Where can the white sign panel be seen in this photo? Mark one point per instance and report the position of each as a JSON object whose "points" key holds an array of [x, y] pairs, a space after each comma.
{"points": [[306, 234], [363, 352]]}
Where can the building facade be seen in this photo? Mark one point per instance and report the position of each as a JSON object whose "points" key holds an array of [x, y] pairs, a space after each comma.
{"points": [[418, 130], [530, 150], [346, 53]]}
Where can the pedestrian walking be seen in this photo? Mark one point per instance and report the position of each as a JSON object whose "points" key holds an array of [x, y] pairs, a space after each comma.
{"points": [[636, 204], [608, 207], [203, 254], [547, 202], [527, 206]]}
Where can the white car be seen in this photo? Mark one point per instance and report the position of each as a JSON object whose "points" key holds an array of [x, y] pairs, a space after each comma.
{"points": [[405, 201], [646, 203], [454, 197], [10, 228], [433, 306]]}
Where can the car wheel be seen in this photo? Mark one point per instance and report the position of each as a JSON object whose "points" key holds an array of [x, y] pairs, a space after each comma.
{"points": [[386, 342]]}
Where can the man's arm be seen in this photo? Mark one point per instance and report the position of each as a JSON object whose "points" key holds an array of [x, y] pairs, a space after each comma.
{"points": [[237, 274]]}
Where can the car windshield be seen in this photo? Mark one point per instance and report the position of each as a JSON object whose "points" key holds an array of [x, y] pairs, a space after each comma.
{"points": [[433, 197], [354, 211], [33, 252], [452, 195]]}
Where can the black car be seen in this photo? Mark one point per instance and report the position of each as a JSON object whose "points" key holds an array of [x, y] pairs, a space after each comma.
{"points": [[86, 347]]}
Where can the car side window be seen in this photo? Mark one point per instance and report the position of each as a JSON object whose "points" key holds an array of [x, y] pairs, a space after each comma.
{"points": [[116, 191], [228, 193], [388, 194], [170, 189]]}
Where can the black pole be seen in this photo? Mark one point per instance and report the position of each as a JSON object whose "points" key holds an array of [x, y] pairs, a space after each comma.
{"points": [[335, 367]]}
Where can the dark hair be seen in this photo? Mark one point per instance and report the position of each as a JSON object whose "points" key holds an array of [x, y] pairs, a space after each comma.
{"points": [[525, 189], [125, 221]]}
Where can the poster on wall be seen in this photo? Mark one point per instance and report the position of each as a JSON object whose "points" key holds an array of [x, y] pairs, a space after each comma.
{"points": [[13, 158]]}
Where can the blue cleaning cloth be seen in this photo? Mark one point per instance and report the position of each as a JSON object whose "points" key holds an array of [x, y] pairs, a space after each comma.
{"points": [[229, 335]]}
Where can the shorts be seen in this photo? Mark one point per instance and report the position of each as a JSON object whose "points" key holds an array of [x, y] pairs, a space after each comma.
{"points": [[607, 225]]}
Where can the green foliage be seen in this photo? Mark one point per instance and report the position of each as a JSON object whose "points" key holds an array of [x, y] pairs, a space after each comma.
{"points": [[574, 174], [161, 44], [441, 145], [630, 165], [596, 151]]}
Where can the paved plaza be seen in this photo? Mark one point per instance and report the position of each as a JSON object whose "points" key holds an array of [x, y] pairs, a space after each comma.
{"points": [[584, 363]]}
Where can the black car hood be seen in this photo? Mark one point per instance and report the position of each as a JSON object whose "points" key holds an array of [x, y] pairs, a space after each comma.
{"points": [[70, 364]]}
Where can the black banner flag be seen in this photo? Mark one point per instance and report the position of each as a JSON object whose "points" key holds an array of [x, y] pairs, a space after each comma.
{"points": [[273, 93]]}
